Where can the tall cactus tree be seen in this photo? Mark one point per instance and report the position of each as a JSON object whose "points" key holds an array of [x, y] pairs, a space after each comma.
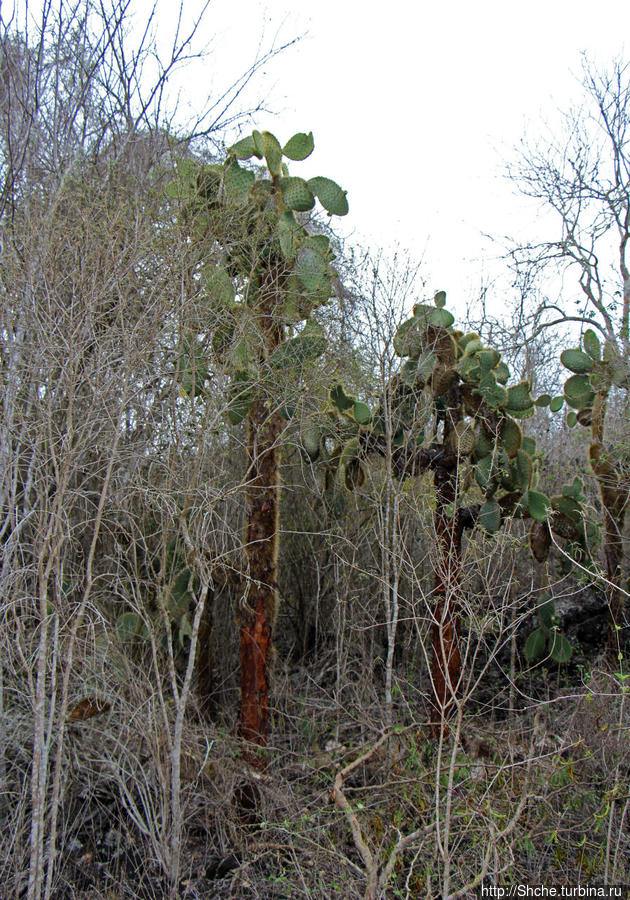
{"points": [[454, 415], [265, 273], [597, 372]]}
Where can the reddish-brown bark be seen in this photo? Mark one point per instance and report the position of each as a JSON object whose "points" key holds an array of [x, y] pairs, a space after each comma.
{"points": [[258, 606], [446, 655]]}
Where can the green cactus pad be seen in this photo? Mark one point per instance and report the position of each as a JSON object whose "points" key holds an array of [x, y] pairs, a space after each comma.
{"points": [[330, 195], [572, 419], [483, 471], [305, 347], [128, 626], [561, 649], [519, 398], [556, 404], [339, 398], [237, 181], [350, 451], [578, 392], [311, 268], [407, 340], [272, 152], [488, 360], [299, 146], [494, 394], [540, 541], [440, 299], [570, 507], [245, 149], [529, 445], [440, 317], [464, 438], [310, 438], [361, 412], [490, 516], [576, 361], [543, 400], [592, 345], [502, 373], [575, 489], [538, 505], [289, 234], [511, 435], [296, 194], [525, 469], [535, 644]]}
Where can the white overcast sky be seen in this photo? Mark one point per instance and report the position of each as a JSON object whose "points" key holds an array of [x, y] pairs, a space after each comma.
{"points": [[415, 107]]}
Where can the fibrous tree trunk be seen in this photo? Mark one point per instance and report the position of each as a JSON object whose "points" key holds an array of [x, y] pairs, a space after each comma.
{"points": [[258, 605], [445, 638]]}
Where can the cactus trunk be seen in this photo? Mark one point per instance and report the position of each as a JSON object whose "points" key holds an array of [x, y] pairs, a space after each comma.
{"points": [[258, 607], [445, 638]]}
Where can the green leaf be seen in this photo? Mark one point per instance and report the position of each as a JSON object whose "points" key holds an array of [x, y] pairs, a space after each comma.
{"points": [[535, 644], [440, 299], [296, 194], [556, 404], [245, 148], [576, 361], [571, 419], [299, 146], [272, 152], [330, 195], [592, 345], [538, 505], [490, 516], [128, 626], [561, 649]]}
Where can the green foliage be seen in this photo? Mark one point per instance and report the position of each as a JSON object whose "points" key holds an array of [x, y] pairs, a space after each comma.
{"points": [[250, 214]]}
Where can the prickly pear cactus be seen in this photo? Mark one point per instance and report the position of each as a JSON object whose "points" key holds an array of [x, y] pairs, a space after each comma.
{"points": [[262, 273], [596, 371], [452, 410]]}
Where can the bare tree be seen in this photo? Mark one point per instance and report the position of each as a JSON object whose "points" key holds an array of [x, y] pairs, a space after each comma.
{"points": [[583, 177]]}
